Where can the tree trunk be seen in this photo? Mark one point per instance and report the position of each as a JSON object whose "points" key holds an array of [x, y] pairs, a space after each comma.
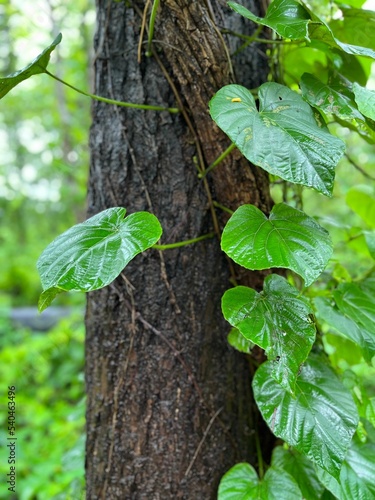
{"points": [[169, 401]]}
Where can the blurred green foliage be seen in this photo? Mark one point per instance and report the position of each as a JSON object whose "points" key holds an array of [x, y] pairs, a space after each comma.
{"points": [[47, 371]]}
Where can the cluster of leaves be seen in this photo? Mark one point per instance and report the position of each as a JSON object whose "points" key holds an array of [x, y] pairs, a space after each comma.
{"points": [[302, 398], [47, 370]]}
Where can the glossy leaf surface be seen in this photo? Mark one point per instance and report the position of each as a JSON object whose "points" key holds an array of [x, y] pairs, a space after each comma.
{"points": [[356, 476], [319, 421], [346, 326], [37, 66], [91, 255], [277, 320], [241, 482], [288, 238], [287, 17], [301, 468], [285, 137]]}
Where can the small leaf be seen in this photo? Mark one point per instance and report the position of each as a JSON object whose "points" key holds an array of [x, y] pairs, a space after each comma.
{"points": [[346, 326], [47, 297], [356, 301], [92, 254], [319, 421], [356, 476], [37, 66], [365, 100], [301, 469], [289, 238], [285, 137], [361, 199], [239, 342], [241, 482], [277, 320], [287, 17]]}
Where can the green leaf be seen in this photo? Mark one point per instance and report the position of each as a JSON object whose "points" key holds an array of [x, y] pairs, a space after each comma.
{"points": [[346, 326], [301, 469], [285, 137], [361, 199], [47, 297], [319, 421], [370, 242], [239, 342], [277, 320], [365, 100], [320, 32], [37, 66], [356, 301], [356, 476], [241, 482], [289, 238], [328, 98], [287, 17], [91, 255]]}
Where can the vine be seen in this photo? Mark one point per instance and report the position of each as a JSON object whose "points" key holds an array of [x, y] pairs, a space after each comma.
{"points": [[299, 395]]}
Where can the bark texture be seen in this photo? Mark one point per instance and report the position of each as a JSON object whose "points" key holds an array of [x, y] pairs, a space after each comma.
{"points": [[169, 402]]}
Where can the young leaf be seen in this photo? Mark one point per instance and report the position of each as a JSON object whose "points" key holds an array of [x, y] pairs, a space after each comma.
{"points": [[241, 482], [38, 65], [319, 421], [287, 17], [301, 469], [277, 320], [346, 326], [365, 100], [285, 137], [357, 474], [92, 254], [288, 238]]}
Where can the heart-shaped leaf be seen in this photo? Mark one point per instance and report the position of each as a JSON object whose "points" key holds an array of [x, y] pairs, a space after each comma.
{"points": [[277, 320], [92, 254], [289, 238], [38, 65], [301, 469], [346, 326], [241, 482], [285, 137], [356, 476], [319, 421], [287, 17]]}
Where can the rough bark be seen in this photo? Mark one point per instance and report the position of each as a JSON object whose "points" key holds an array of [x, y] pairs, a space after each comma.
{"points": [[169, 402]]}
